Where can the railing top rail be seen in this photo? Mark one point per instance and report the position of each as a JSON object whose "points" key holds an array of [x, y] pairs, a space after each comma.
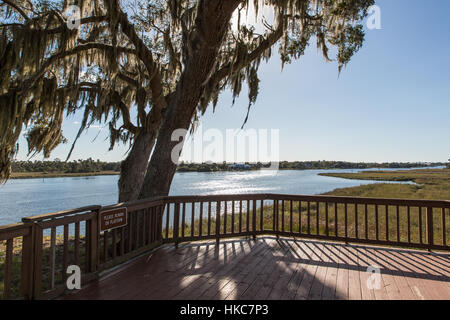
{"points": [[321, 198], [218, 197], [12, 227], [363, 200], [14, 230], [144, 203], [136, 205], [46, 216]]}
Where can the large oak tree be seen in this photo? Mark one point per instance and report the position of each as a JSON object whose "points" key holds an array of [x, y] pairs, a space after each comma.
{"points": [[148, 67]]}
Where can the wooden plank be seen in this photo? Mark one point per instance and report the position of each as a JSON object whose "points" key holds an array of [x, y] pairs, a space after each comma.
{"points": [[304, 288], [261, 219], [77, 244], [37, 283], [254, 219], [183, 219], [209, 218], [214, 271], [444, 230], [317, 217], [342, 281], [420, 225], [247, 217], [364, 276], [192, 219], [299, 217], [136, 230], [114, 243], [366, 222], [430, 229], [130, 231], [232, 216], [167, 220], [240, 216], [8, 268], [200, 221], [66, 220], [408, 219], [318, 282], [336, 219], [218, 204], [290, 215], [379, 293], [52, 257], [144, 214], [346, 220], [225, 218], [377, 237], [176, 223], [122, 241], [309, 218], [106, 244], [386, 208], [330, 282], [27, 266], [13, 231], [65, 252]]}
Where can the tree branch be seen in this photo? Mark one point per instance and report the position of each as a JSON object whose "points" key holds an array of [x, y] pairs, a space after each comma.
{"points": [[17, 8], [87, 46]]}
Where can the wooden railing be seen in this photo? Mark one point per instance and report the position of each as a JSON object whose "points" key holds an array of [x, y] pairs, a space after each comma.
{"points": [[35, 254]]}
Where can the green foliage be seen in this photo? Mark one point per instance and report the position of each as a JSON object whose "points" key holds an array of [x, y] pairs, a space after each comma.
{"points": [[80, 166]]}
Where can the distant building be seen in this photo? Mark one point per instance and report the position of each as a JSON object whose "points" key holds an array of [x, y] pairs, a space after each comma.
{"points": [[239, 166]]}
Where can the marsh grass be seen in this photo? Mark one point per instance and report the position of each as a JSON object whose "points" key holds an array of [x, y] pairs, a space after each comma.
{"points": [[318, 225]]}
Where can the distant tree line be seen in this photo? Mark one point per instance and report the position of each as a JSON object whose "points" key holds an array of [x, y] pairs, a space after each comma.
{"points": [[305, 165], [76, 166], [300, 165], [90, 165]]}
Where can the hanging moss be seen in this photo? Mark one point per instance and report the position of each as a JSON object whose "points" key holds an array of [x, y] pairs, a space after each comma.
{"points": [[110, 65]]}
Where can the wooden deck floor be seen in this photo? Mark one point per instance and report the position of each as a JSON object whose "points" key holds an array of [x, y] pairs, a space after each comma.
{"points": [[267, 268]]}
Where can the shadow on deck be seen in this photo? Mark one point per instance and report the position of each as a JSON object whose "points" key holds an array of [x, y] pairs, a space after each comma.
{"points": [[271, 268]]}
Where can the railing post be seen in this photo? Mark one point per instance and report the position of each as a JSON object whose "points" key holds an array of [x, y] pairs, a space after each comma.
{"points": [[27, 268], [92, 237], [430, 234], [277, 219], [218, 222], [254, 219], [176, 222], [37, 270], [95, 232]]}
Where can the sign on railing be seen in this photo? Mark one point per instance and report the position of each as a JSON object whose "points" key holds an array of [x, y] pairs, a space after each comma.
{"points": [[113, 219]]}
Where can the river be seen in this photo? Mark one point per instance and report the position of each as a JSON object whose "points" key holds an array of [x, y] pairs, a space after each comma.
{"points": [[25, 197]]}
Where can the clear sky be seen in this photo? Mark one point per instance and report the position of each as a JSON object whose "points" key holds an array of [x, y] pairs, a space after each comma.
{"points": [[391, 103]]}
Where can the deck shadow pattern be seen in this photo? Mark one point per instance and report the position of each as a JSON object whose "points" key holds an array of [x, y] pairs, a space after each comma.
{"points": [[271, 268]]}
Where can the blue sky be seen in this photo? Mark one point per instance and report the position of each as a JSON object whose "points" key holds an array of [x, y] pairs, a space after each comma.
{"points": [[391, 103]]}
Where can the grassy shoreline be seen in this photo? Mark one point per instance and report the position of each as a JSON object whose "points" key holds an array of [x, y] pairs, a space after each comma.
{"points": [[431, 184], [40, 175]]}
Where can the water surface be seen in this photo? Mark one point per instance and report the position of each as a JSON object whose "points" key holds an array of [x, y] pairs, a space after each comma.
{"points": [[25, 197]]}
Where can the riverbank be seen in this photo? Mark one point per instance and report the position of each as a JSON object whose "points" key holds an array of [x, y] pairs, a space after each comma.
{"points": [[430, 184]]}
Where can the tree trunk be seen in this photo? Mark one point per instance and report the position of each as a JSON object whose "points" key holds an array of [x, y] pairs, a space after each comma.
{"points": [[211, 24], [132, 169]]}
